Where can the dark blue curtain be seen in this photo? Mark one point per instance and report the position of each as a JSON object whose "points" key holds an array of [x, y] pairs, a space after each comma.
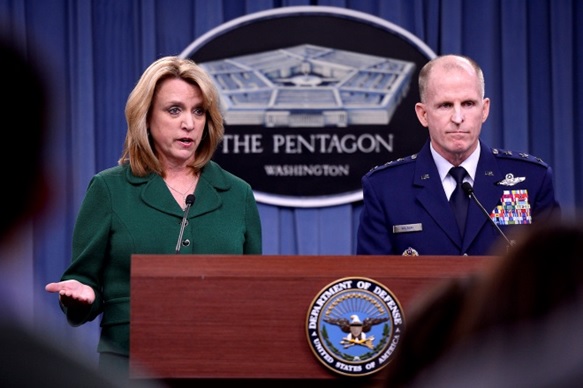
{"points": [[94, 51]]}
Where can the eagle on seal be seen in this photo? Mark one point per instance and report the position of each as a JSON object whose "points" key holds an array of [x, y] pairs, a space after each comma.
{"points": [[356, 329]]}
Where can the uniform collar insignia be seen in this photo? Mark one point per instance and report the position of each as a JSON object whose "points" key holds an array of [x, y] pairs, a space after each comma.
{"points": [[510, 180]]}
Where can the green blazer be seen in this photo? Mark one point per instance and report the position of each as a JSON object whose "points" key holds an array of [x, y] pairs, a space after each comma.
{"points": [[123, 214]]}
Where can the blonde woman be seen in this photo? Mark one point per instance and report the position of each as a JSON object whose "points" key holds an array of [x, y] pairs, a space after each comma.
{"points": [[174, 127]]}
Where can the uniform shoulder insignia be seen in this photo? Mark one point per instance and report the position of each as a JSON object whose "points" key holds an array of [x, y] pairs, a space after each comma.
{"points": [[518, 156], [395, 162]]}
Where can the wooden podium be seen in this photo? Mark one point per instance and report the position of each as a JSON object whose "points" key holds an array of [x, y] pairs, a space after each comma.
{"points": [[235, 319]]}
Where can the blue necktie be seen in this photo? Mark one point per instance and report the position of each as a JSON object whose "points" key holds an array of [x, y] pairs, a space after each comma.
{"points": [[459, 200]]}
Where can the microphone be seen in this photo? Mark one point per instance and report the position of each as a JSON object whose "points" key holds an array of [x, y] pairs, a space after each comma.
{"points": [[189, 201], [469, 190]]}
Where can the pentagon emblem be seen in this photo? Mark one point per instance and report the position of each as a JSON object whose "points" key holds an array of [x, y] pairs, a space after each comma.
{"points": [[354, 325]]}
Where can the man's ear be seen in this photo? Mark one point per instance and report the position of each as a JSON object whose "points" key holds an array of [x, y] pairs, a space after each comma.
{"points": [[421, 113], [485, 109]]}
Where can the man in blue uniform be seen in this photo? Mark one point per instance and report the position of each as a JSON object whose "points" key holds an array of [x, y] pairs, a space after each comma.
{"points": [[409, 203]]}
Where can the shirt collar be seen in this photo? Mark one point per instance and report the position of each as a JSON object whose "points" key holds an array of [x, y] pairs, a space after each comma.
{"points": [[470, 164]]}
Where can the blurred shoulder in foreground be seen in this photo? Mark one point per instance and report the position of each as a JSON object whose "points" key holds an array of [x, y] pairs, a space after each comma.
{"points": [[520, 326], [27, 358]]}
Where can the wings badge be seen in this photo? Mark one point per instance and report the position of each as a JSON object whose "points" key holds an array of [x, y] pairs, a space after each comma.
{"points": [[510, 180]]}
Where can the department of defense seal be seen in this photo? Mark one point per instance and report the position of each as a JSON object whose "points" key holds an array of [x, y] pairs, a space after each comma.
{"points": [[354, 325]]}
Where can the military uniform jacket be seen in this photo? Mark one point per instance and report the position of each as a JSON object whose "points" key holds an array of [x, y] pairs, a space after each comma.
{"points": [[123, 214], [406, 210]]}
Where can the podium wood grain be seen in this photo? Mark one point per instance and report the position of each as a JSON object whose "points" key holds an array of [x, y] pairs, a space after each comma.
{"points": [[244, 317]]}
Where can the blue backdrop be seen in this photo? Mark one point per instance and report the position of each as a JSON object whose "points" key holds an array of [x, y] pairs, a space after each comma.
{"points": [[94, 51]]}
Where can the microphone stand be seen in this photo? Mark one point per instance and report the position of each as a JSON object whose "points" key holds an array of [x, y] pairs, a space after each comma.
{"points": [[469, 190], [189, 201]]}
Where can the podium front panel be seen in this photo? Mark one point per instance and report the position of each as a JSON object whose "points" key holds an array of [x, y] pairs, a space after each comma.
{"points": [[244, 316]]}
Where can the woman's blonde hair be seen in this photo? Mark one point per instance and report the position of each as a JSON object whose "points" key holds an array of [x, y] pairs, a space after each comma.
{"points": [[138, 149]]}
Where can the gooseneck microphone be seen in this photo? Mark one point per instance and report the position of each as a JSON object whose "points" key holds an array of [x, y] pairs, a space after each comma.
{"points": [[189, 201], [469, 190]]}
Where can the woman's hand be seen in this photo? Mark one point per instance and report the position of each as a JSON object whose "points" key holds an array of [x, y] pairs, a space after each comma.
{"points": [[72, 292]]}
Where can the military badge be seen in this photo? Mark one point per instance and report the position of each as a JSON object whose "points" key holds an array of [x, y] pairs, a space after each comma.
{"points": [[410, 252], [514, 209], [354, 325], [510, 180]]}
